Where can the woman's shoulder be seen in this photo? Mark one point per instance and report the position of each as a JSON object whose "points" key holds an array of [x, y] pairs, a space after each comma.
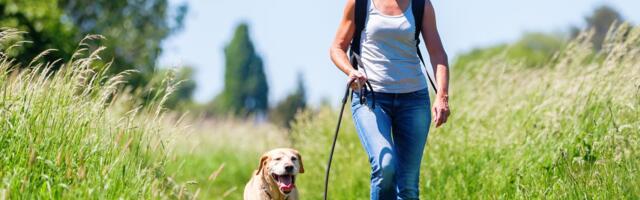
{"points": [[351, 4]]}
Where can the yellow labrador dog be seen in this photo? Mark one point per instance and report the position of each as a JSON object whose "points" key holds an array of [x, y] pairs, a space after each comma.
{"points": [[275, 178]]}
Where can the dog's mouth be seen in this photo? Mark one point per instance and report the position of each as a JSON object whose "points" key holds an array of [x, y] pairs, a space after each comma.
{"points": [[286, 182]]}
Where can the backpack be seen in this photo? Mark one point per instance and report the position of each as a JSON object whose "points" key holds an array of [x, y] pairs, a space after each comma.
{"points": [[361, 13]]}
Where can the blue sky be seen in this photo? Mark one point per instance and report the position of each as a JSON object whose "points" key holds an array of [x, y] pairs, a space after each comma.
{"points": [[294, 35]]}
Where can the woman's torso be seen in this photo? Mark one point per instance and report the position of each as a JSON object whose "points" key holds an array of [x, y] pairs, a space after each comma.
{"points": [[389, 52]]}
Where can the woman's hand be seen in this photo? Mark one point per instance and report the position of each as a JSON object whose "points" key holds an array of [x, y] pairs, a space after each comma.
{"points": [[441, 110], [359, 77]]}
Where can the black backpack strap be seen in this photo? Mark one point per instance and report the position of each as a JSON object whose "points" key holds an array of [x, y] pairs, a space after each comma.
{"points": [[360, 20], [417, 8]]}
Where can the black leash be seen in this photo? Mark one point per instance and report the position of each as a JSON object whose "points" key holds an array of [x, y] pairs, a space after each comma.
{"points": [[363, 100], [335, 137]]}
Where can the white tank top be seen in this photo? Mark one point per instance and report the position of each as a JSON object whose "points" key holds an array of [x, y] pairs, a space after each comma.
{"points": [[388, 51]]}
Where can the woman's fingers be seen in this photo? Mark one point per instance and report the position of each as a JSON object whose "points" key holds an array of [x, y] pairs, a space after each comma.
{"points": [[358, 79], [356, 84], [441, 115], [361, 77], [446, 116], [436, 116]]}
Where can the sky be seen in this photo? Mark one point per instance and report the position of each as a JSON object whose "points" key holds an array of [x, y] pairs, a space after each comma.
{"points": [[294, 36]]}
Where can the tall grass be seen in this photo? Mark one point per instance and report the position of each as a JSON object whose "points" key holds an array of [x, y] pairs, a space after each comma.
{"points": [[568, 130], [71, 133]]}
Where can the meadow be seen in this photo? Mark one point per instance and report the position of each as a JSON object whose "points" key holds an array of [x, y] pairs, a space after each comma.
{"points": [[567, 129]]}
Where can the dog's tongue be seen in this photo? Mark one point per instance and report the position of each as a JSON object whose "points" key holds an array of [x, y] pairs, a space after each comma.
{"points": [[285, 183]]}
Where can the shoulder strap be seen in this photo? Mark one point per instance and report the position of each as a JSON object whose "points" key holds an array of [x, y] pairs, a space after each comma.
{"points": [[417, 8], [360, 19]]}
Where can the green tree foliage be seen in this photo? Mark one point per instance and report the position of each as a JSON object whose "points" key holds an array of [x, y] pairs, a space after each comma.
{"points": [[245, 85], [600, 21], [134, 29], [285, 111], [44, 28]]}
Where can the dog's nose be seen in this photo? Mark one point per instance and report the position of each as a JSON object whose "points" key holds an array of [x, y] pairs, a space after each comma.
{"points": [[288, 168]]}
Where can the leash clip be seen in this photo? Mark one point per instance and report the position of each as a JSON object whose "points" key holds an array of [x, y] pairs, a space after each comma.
{"points": [[363, 90]]}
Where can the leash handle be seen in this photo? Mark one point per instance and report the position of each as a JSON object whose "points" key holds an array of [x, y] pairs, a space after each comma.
{"points": [[358, 61]]}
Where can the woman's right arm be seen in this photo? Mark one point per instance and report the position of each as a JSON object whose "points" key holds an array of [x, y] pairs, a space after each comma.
{"points": [[344, 35]]}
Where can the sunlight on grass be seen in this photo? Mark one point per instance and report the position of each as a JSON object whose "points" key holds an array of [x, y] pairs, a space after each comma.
{"points": [[567, 130]]}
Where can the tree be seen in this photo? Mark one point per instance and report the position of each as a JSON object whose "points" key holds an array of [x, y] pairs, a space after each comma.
{"points": [[245, 85], [41, 20], [285, 112], [134, 29], [600, 21]]}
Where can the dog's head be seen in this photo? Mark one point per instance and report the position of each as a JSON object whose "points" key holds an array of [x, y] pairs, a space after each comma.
{"points": [[280, 166]]}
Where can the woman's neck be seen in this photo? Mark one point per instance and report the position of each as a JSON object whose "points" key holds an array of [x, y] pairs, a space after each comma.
{"points": [[391, 7]]}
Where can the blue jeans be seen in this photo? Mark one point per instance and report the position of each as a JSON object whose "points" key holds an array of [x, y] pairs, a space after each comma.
{"points": [[394, 135]]}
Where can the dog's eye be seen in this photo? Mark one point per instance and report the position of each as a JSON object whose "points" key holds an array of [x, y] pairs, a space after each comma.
{"points": [[294, 158], [278, 159]]}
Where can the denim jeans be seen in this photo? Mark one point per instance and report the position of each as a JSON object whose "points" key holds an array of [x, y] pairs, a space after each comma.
{"points": [[394, 135]]}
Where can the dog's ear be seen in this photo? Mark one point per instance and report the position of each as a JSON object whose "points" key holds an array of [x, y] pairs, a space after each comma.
{"points": [[263, 162], [301, 170]]}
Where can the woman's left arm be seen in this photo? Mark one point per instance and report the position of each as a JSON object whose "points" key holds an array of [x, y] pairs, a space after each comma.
{"points": [[440, 64]]}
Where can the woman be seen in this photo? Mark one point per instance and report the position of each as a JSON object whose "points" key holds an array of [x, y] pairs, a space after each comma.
{"points": [[394, 131]]}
